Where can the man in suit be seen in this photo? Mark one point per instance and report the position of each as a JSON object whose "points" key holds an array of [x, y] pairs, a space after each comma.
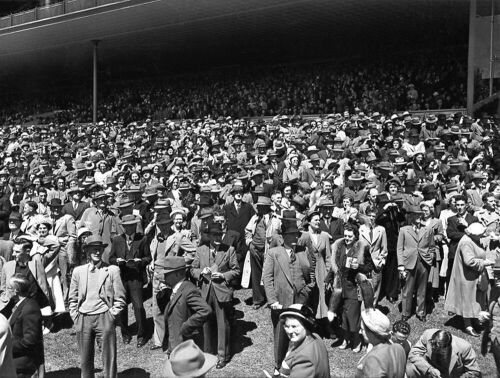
{"points": [[215, 266], [456, 229], [475, 194], [287, 280], [335, 226], [75, 207], [130, 252], [26, 325], [96, 298], [64, 228], [416, 254], [186, 311], [238, 214], [376, 238], [15, 221], [438, 353]]}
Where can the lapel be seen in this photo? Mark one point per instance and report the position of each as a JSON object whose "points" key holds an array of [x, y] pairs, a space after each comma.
{"points": [[169, 242], [103, 274], [32, 268], [412, 233], [58, 224], [284, 262], [17, 312], [125, 244], [174, 299]]}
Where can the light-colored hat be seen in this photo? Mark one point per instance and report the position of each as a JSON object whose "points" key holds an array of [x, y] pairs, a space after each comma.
{"points": [[475, 229], [188, 360], [376, 322]]}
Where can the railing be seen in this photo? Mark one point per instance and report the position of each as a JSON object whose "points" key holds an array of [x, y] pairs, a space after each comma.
{"points": [[52, 10]]}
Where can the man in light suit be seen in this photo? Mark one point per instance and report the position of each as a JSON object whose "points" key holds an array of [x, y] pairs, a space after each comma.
{"points": [[96, 298], [376, 238], [130, 252], [75, 207], [64, 227], [416, 254], [215, 266], [287, 280]]}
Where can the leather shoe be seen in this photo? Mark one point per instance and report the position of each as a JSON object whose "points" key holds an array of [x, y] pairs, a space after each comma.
{"points": [[256, 306], [127, 339], [422, 318], [141, 342], [220, 364], [155, 347], [470, 331]]}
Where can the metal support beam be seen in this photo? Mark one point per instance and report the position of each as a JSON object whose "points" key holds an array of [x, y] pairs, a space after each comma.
{"points": [[492, 41], [94, 83], [470, 63]]}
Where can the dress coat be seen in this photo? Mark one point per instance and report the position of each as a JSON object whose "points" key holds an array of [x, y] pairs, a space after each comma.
{"points": [[139, 248], [384, 360], [309, 359], [105, 225], [321, 254], [185, 314], [27, 337], [464, 296], [411, 245]]}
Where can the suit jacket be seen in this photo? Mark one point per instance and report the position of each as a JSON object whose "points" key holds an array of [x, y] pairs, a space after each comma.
{"points": [[309, 359], [77, 214], [463, 358], [111, 289], [384, 360], [410, 245], [377, 243], [231, 238], [185, 314], [455, 231], [106, 226], [285, 281], [139, 248], [27, 338], [64, 229], [237, 222], [224, 262]]}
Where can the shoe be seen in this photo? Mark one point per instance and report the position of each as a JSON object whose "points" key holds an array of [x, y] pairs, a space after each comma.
{"points": [[256, 306], [220, 364], [46, 330], [393, 300], [276, 373], [358, 348], [405, 318], [422, 318], [344, 345], [126, 339], [155, 347], [141, 342], [470, 331]]}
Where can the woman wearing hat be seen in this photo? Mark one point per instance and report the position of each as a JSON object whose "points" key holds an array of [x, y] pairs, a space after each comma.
{"points": [[307, 355], [294, 170], [467, 291], [317, 244]]}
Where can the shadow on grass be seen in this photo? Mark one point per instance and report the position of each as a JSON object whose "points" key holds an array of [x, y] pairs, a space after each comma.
{"points": [[455, 322], [71, 372], [61, 321], [134, 372], [241, 328]]}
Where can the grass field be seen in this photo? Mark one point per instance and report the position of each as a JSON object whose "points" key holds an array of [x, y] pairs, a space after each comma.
{"points": [[252, 347]]}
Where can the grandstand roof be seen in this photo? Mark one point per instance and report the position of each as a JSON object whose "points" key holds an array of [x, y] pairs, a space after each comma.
{"points": [[138, 36]]}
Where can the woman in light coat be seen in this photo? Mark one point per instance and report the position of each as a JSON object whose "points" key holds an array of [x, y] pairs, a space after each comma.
{"points": [[466, 294]]}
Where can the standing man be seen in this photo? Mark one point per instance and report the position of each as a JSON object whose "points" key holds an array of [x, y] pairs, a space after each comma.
{"points": [[75, 207], [287, 280], [96, 298], [416, 254], [186, 311], [130, 252], [216, 267]]}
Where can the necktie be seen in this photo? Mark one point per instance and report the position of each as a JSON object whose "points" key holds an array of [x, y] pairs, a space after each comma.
{"points": [[293, 257], [371, 234]]}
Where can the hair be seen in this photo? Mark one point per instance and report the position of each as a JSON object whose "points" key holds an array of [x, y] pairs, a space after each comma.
{"points": [[20, 285], [487, 195], [26, 244], [440, 340], [371, 209], [353, 229], [460, 197]]}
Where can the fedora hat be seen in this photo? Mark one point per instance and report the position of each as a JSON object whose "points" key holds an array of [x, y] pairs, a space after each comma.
{"points": [[325, 202], [289, 222], [188, 361], [94, 240], [263, 201], [100, 194], [15, 217], [55, 202], [163, 219], [75, 189], [377, 322], [130, 219], [173, 264], [355, 176], [299, 311]]}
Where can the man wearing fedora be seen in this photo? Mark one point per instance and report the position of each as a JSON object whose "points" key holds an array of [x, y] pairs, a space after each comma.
{"points": [[188, 360], [15, 221], [186, 311], [287, 277], [130, 252], [75, 207], [216, 268], [96, 299], [64, 228]]}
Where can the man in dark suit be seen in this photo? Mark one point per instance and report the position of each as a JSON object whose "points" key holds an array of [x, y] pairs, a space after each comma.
{"points": [[15, 221], [26, 325], [75, 207], [186, 311], [130, 251], [216, 267], [334, 226], [416, 254], [287, 280], [456, 229], [238, 214]]}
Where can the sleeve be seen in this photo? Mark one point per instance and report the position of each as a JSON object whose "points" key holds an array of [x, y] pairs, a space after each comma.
{"points": [[469, 361], [417, 355], [302, 367], [268, 278], [73, 294], [112, 252], [70, 248], [200, 312], [469, 257], [195, 266], [32, 333], [234, 268], [383, 245], [400, 247], [119, 292], [455, 231], [145, 252]]}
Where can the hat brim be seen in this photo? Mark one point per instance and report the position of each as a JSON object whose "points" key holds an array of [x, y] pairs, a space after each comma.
{"points": [[169, 270], [210, 362], [103, 245]]}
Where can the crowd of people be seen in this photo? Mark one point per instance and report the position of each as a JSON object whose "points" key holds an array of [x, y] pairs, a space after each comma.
{"points": [[416, 81], [324, 219]]}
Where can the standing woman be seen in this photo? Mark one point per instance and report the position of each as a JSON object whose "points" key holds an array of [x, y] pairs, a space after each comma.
{"points": [[317, 243], [467, 293]]}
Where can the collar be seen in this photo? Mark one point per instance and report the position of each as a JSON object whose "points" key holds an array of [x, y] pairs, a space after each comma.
{"points": [[177, 286], [93, 267]]}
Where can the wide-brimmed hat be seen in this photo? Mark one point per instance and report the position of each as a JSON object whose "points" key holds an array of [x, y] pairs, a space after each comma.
{"points": [[173, 264], [325, 202], [75, 189], [188, 361], [83, 230], [475, 229], [377, 322], [299, 311], [355, 176], [94, 240], [130, 219], [477, 176], [236, 188], [263, 201], [163, 219], [55, 202]]}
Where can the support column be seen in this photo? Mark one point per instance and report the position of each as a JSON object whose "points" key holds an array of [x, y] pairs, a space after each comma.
{"points": [[94, 83], [470, 63]]}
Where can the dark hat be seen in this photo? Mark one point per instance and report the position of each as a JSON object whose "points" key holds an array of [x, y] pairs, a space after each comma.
{"points": [[94, 240], [205, 200], [428, 189], [100, 194], [302, 312], [130, 219], [289, 222], [15, 217], [55, 202], [263, 201], [173, 264], [163, 219]]}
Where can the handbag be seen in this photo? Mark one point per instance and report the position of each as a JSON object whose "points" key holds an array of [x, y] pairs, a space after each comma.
{"points": [[482, 282]]}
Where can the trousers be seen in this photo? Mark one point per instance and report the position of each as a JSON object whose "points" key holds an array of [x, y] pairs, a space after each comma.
{"points": [[217, 329], [416, 278], [90, 327], [133, 289], [256, 263], [158, 313], [281, 340]]}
